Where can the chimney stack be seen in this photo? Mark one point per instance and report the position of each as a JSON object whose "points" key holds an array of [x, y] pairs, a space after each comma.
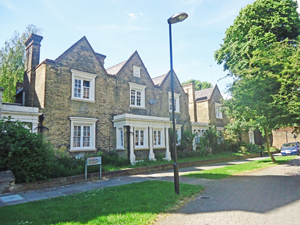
{"points": [[33, 44]]}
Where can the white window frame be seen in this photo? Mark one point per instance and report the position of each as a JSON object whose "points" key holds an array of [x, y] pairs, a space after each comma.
{"points": [[177, 102], [219, 114], [83, 76], [82, 121], [145, 144], [162, 137], [120, 142], [136, 71], [140, 88]]}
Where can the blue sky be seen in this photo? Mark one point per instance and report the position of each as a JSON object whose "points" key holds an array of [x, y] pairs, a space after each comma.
{"points": [[116, 28]]}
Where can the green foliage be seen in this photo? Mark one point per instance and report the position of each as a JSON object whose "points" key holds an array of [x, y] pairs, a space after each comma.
{"points": [[12, 61], [187, 139], [137, 203], [112, 158], [280, 62], [259, 24], [198, 84], [25, 153], [210, 139]]}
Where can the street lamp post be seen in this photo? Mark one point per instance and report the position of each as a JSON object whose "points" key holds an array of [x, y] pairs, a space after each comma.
{"points": [[174, 19]]}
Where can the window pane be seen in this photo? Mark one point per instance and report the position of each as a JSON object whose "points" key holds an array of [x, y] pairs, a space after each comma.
{"points": [[138, 98], [86, 136], [132, 102], [76, 136], [77, 88], [170, 104], [86, 89], [154, 134], [142, 138], [121, 137], [137, 137], [158, 138]]}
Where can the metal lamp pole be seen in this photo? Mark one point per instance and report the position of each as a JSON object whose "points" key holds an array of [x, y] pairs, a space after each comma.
{"points": [[174, 19]]}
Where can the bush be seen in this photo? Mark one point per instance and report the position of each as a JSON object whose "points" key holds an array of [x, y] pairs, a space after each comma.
{"points": [[23, 152], [187, 139], [112, 158]]}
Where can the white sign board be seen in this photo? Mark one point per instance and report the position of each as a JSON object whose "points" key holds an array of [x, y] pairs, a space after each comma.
{"points": [[92, 161]]}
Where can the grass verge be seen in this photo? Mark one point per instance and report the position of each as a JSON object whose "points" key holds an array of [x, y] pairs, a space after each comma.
{"points": [[159, 162], [228, 171], [137, 203]]}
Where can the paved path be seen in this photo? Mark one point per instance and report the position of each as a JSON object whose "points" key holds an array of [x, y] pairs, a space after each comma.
{"points": [[34, 195], [269, 196]]}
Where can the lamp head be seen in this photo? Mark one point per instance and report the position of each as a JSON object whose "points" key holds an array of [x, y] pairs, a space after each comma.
{"points": [[177, 18]]}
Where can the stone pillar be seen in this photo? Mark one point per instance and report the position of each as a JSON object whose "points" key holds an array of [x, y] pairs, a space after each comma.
{"points": [[151, 153], [1, 94], [168, 154], [34, 125], [132, 155]]}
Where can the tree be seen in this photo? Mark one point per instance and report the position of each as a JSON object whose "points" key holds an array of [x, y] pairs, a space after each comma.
{"points": [[198, 84], [245, 53], [251, 104], [260, 24], [12, 62]]}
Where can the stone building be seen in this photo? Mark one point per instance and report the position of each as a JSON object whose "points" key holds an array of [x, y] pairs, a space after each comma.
{"points": [[205, 109], [88, 108]]}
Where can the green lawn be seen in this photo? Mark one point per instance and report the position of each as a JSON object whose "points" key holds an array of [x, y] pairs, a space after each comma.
{"points": [[137, 203], [151, 163], [228, 171]]}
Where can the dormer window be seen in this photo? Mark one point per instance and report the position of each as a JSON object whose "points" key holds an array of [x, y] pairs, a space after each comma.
{"points": [[136, 71], [83, 86]]}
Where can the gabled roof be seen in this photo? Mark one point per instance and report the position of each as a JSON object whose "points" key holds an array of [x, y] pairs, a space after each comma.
{"points": [[204, 94], [73, 46], [158, 80], [114, 70]]}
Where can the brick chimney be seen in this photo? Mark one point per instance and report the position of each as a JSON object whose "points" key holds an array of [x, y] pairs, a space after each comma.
{"points": [[33, 44], [190, 90]]}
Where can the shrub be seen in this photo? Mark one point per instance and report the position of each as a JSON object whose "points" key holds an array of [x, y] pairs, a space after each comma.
{"points": [[25, 153], [187, 139], [112, 158]]}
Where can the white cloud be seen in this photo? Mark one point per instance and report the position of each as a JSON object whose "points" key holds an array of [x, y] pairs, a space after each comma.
{"points": [[8, 4], [132, 16], [141, 13]]}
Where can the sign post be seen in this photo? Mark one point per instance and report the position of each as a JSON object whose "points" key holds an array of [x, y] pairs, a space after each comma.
{"points": [[92, 161]]}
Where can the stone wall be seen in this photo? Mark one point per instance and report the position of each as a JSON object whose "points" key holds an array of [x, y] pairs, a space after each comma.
{"points": [[284, 135], [202, 112]]}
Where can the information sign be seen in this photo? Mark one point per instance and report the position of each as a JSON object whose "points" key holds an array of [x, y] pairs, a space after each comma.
{"points": [[92, 161]]}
